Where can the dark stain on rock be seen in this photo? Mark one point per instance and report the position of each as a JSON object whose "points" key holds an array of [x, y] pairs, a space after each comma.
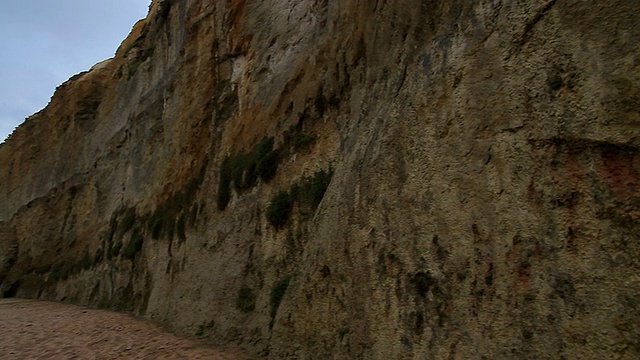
{"points": [[488, 279], [422, 282], [564, 288], [440, 252], [620, 170]]}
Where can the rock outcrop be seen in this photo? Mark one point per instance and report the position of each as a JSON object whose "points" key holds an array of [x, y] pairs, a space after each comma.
{"points": [[346, 179]]}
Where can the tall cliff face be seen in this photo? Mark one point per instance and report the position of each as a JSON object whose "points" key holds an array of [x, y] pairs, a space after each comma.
{"points": [[462, 180]]}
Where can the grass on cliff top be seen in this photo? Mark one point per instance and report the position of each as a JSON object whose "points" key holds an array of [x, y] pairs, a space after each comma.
{"points": [[243, 170], [128, 220], [246, 301], [311, 189], [134, 246], [278, 291], [63, 270], [279, 210], [154, 223], [307, 193]]}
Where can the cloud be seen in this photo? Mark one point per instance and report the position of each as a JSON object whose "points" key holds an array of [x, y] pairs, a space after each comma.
{"points": [[46, 42]]}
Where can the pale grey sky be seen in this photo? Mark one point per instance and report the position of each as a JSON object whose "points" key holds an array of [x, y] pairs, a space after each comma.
{"points": [[45, 42]]}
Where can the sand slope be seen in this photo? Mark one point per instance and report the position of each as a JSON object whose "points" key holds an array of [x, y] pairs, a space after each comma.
{"points": [[31, 329]]}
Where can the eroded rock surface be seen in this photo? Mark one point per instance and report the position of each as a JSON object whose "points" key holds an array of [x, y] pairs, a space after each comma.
{"points": [[462, 179]]}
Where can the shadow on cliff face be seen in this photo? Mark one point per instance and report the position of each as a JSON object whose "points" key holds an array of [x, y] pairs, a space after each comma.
{"points": [[13, 290]]}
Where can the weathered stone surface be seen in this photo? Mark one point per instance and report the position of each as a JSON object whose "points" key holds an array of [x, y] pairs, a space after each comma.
{"points": [[484, 203]]}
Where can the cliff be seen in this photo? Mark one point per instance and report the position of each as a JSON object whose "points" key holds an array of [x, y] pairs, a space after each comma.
{"points": [[346, 179]]}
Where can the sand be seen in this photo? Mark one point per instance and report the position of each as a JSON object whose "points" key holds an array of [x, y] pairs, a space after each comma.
{"points": [[32, 329]]}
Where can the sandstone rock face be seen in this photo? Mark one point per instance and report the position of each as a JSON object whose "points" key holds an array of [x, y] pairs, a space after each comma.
{"points": [[462, 178]]}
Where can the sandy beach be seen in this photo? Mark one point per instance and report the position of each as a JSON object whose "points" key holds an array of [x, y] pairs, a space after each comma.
{"points": [[32, 329]]}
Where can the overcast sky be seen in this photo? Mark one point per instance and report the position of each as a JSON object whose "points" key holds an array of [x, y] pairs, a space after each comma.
{"points": [[45, 42]]}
